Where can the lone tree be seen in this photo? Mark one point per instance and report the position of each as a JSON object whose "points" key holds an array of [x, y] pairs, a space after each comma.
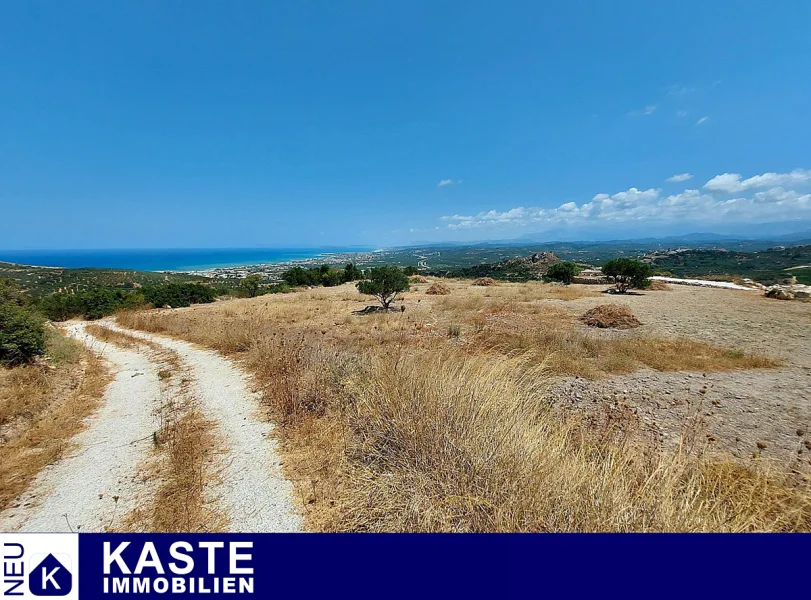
{"points": [[563, 272], [384, 283], [251, 285], [627, 273]]}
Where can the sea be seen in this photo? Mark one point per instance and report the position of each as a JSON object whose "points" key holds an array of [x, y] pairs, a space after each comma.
{"points": [[173, 259]]}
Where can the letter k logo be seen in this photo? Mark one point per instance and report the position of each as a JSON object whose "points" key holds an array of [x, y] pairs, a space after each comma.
{"points": [[50, 578]]}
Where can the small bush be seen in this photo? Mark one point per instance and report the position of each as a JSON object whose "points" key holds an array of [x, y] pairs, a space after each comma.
{"points": [[610, 316], [438, 289], [485, 281], [22, 334], [417, 279]]}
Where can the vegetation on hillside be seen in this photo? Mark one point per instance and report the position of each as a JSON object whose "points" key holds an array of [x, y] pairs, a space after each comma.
{"points": [[99, 302], [40, 281], [323, 275], [766, 266], [527, 268]]}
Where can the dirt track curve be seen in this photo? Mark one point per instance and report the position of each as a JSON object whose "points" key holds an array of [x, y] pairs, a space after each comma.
{"points": [[97, 483]]}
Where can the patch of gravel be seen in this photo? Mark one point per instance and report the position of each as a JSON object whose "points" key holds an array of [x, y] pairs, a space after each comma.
{"points": [[79, 492], [251, 490]]}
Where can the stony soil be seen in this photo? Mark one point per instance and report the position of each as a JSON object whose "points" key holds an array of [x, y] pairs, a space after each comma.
{"points": [[765, 414]]}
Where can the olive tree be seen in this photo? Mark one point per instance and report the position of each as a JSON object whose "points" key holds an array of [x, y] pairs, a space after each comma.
{"points": [[627, 273], [251, 284], [384, 283]]}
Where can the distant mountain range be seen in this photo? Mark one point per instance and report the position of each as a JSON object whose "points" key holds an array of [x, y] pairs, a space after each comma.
{"points": [[761, 232]]}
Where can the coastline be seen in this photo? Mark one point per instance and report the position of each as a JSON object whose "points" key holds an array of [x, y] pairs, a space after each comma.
{"points": [[173, 260], [273, 270]]}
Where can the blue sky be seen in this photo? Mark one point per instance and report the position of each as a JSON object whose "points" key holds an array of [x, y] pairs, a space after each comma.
{"points": [[223, 124]]}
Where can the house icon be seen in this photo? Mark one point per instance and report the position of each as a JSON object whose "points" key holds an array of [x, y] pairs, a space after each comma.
{"points": [[50, 578]]}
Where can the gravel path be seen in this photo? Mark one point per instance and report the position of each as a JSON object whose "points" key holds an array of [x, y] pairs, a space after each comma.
{"points": [[96, 484], [251, 490]]}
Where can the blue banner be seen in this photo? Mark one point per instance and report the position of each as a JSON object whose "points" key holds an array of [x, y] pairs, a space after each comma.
{"points": [[402, 565]]}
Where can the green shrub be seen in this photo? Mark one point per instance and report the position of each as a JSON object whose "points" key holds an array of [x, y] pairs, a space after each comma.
{"points": [[278, 288], [178, 294], [352, 273], [22, 334], [11, 292], [298, 276], [564, 272], [61, 307], [627, 273], [323, 275]]}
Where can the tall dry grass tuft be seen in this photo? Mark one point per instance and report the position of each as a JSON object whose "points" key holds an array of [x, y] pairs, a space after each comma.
{"points": [[42, 406], [443, 444], [568, 351]]}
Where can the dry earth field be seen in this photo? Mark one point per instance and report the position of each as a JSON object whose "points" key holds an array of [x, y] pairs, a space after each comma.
{"points": [[494, 409]]}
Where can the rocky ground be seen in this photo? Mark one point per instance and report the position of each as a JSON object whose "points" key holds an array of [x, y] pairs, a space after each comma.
{"points": [[765, 414]]}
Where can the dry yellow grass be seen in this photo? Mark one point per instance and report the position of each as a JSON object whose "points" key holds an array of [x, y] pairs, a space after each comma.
{"points": [[184, 448], [42, 406], [390, 424], [438, 443]]}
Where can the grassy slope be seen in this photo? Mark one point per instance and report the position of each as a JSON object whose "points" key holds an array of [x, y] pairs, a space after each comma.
{"points": [[396, 423]]}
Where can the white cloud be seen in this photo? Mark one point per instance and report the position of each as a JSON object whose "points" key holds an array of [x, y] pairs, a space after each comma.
{"points": [[731, 183], [643, 112], [774, 202], [679, 90], [681, 113], [702, 120], [445, 182], [680, 177]]}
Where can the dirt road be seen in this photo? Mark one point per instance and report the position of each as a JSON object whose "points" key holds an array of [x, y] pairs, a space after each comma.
{"points": [[97, 484]]}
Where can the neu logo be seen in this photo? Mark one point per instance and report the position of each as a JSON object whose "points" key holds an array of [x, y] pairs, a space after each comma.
{"points": [[50, 578]]}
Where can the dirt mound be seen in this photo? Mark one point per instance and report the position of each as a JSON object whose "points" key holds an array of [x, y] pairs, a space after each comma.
{"points": [[610, 316], [417, 279], [659, 286], [438, 289], [485, 281]]}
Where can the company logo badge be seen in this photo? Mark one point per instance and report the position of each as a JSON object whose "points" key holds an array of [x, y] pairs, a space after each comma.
{"points": [[51, 576], [38, 565]]}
